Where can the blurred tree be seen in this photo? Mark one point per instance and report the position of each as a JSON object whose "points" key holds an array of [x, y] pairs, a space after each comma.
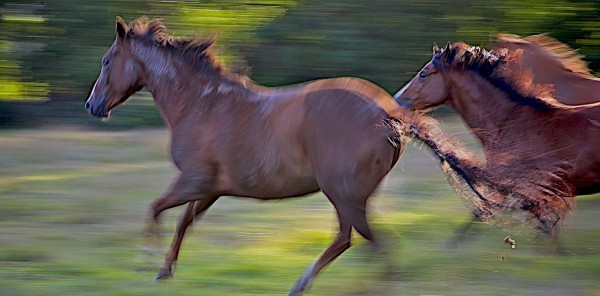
{"points": [[234, 22], [575, 22], [65, 42], [52, 48], [75, 38], [386, 41], [19, 19], [580, 29], [380, 41]]}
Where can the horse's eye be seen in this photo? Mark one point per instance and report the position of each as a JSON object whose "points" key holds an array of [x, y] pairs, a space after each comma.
{"points": [[423, 75], [105, 61]]}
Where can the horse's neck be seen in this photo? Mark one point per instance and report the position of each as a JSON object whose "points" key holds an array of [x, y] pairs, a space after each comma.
{"points": [[480, 106], [177, 88]]}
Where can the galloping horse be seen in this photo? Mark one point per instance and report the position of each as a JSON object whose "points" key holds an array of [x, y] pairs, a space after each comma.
{"points": [[550, 61], [545, 151], [232, 137]]}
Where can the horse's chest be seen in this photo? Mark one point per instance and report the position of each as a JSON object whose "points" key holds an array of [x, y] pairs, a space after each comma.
{"points": [[190, 151]]}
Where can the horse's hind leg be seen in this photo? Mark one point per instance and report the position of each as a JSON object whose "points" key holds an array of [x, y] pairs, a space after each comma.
{"points": [[341, 244], [360, 223], [195, 210], [351, 213]]}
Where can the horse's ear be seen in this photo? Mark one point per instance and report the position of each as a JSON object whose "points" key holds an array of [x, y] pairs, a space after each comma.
{"points": [[448, 46], [446, 52], [436, 48], [467, 58], [121, 28]]}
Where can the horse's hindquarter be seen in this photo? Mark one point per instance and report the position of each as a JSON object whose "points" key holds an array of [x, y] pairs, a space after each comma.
{"points": [[345, 136]]}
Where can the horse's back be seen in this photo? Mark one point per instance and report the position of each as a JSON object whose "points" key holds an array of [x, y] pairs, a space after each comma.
{"points": [[363, 89]]}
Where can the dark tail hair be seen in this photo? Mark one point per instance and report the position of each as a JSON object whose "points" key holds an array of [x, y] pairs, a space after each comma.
{"points": [[491, 195]]}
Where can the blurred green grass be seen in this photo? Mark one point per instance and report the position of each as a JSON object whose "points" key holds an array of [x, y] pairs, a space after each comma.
{"points": [[74, 203]]}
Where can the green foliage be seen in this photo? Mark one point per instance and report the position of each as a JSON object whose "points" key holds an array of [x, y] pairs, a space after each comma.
{"points": [[11, 53], [387, 41], [52, 49]]}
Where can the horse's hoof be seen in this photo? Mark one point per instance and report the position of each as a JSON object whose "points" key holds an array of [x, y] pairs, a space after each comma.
{"points": [[298, 289], [295, 293], [163, 274], [161, 277]]}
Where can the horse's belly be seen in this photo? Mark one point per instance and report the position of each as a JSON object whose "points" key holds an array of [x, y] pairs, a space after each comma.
{"points": [[275, 186], [270, 175], [291, 187]]}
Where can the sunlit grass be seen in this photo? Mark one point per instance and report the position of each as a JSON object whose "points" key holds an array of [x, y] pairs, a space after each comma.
{"points": [[74, 205]]}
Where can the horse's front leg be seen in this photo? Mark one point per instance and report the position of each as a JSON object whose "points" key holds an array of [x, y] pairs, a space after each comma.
{"points": [[195, 189], [194, 211]]}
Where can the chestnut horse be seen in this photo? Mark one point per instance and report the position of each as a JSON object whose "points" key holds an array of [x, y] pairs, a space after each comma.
{"points": [[540, 152], [230, 136], [549, 61]]}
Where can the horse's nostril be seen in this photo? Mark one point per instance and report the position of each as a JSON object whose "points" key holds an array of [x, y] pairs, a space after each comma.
{"points": [[87, 105]]}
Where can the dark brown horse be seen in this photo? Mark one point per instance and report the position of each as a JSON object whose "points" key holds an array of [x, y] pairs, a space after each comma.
{"points": [[550, 61], [539, 152], [232, 137]]}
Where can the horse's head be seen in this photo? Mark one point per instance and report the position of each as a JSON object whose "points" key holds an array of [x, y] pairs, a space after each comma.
{"points": [[429, 87], [120, 76]]}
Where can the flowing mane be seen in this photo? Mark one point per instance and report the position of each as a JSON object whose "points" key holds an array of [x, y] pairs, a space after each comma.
{"points": [[490, 66], [195, 51], [564, 55]]}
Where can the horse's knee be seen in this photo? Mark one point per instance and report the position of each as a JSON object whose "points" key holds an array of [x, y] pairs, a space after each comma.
{"points": [[180, 193], [154, 209]]}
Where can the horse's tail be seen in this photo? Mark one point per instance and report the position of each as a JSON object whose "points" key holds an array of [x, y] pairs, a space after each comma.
{"points": [[461, 167], [489, 195]]}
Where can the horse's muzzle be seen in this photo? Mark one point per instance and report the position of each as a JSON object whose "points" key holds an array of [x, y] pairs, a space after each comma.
{"points": [[401, 98], [404, 104], [98, 109]]}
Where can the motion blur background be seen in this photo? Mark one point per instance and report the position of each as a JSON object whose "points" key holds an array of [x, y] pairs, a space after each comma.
{"points": [[50, 50], [74, 191]]}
